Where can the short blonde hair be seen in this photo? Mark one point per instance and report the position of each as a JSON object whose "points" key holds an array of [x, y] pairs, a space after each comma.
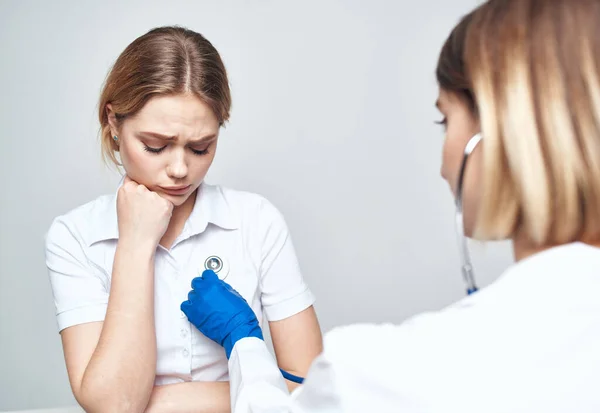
{"points": [[165, 61], [531, 71]]}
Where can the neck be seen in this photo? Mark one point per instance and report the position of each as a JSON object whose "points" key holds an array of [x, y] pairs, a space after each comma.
{"points": [[524, 248], [178, 217]]}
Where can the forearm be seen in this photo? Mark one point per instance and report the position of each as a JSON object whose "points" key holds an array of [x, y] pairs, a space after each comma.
{"points": [[297, 341], [291, 385], [193, 397], [120, 374]]}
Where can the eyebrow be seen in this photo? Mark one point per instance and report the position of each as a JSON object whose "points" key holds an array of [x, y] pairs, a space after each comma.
{"points": [[206, 138], [438, 104]]}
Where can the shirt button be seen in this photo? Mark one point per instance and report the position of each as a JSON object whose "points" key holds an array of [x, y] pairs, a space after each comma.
{"points": [[185, 352], [183, 333]]}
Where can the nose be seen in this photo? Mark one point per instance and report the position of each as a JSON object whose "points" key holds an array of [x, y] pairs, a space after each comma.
{"points": [[177, 167]]}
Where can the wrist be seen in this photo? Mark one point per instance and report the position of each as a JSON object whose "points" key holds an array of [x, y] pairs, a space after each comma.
{"points": [[236, 335], [137, 248]]}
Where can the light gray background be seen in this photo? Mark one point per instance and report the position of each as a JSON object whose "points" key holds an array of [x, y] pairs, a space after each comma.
{"points": [[332, 121]]}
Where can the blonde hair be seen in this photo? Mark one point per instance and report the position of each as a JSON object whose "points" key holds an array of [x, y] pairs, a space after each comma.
{"points": [[164, 61], [531, 70]]}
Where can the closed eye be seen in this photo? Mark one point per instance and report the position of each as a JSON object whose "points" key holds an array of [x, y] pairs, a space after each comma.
{"points": [[443, 122], [199, 152], [154, 150]]}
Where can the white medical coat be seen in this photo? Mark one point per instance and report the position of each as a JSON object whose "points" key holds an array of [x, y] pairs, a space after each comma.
{"points": [[530, 342]]}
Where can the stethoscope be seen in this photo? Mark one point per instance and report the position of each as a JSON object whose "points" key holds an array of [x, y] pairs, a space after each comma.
{"points": [[467, 267]]}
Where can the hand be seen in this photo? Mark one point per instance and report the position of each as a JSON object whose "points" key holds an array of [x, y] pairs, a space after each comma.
{"points": [[143, 215], [220, 312]]}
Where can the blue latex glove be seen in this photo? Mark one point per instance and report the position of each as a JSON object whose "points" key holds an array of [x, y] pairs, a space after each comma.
{"points": [[220, 312]]}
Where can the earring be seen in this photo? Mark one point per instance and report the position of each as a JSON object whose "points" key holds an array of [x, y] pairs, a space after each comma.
{"points": [[115, 138]]}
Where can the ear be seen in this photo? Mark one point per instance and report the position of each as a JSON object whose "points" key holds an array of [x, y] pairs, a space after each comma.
{"points": [[112, 119]]}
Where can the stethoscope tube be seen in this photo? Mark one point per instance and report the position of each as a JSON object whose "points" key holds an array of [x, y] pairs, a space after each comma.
{"points": [[467, 266], [291, 377]]}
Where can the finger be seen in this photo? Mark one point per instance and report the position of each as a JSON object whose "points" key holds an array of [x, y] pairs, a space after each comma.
{"points": [[197, 283], [210, 275], [141, 189], [192, 296], [127, 181], [168, 204], [185, 307]]}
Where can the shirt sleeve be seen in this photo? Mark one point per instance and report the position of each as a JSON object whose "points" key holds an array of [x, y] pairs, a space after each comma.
{"points": [[80, 293], [284, 291], [257, 386]]}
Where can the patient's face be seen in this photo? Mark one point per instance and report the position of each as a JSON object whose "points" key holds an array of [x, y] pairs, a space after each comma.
{"points": [[460, 124], [169, 145]]}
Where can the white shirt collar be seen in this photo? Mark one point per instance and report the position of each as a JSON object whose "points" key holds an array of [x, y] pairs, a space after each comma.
{"points": [[210, 207]]}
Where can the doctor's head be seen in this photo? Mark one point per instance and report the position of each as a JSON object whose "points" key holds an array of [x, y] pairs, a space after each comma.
{"points": [[526, 74], [161, 110]]}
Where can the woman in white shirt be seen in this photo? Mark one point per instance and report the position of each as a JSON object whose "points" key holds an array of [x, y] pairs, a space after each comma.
{"points": [[524, 75], [121, 265]]}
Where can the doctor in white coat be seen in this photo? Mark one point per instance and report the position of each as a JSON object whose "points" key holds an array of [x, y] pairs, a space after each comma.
{"points": [[524, 76]]}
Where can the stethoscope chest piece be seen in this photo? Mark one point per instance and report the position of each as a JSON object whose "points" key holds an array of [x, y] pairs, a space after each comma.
{"points": [[218, 265]]}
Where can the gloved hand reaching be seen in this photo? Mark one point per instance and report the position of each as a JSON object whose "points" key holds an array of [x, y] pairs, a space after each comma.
{"points": [[220, 312]]}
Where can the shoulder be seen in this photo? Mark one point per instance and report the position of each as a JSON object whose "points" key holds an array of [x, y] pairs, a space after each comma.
{"points": [[373, 349], [250, 207], [81, 222], [359, 337], [241, 199]]}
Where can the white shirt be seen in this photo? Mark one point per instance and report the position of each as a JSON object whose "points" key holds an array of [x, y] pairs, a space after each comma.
{"points": [[244, 231], [530, 342]]}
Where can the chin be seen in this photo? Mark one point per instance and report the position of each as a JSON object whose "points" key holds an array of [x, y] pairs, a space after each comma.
{"points": [[176, 200]]}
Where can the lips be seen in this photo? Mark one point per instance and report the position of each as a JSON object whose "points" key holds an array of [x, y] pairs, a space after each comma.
{"points": [[176, 190]]}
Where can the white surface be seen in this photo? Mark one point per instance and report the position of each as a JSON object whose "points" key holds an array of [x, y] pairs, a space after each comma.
{"points": [[527, 343], [333, 110]]}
